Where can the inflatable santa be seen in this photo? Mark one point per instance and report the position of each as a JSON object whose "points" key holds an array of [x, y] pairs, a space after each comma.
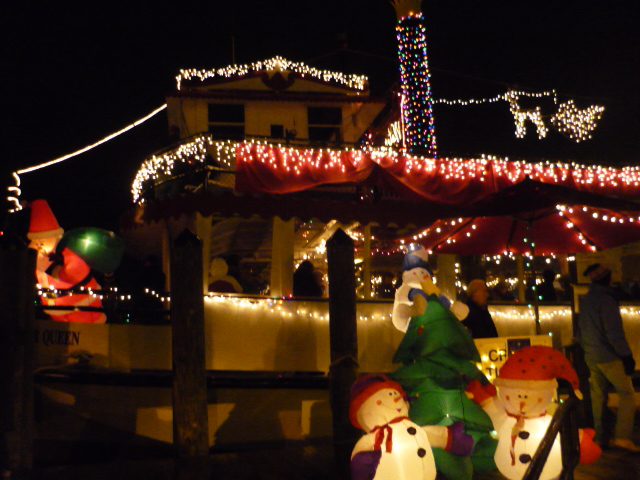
{"points": [[60, 272]]}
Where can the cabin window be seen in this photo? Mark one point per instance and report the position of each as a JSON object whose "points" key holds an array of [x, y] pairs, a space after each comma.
{"points": [[324, 123], [277, 131], [226, 120]]}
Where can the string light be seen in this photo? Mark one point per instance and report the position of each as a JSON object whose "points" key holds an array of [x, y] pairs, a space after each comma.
{"points": [[395, 135], [52, 292], [356, 82], [508, 96], [417, 110], [336, 166], [285, 309], [448, 232], [93, 145], [521, 116], [575, 123], [160, 168], [14, 194], [78, 152], [578, 124]]}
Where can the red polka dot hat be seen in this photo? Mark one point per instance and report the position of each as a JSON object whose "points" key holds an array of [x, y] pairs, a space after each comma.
{"points": [[537, 367]]}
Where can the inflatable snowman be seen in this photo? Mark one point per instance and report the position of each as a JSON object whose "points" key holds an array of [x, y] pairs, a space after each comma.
{"points": [[417, 284], [394, 447], [517, 405], [219, 279]]}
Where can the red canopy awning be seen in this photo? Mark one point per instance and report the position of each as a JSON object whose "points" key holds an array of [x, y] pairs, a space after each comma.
{"points": [[324, 206], [532, 217], [274, 169]]}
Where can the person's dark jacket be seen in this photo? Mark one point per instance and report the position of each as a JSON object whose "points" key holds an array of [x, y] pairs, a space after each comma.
{"points": [[600, 328], [479, 321]]}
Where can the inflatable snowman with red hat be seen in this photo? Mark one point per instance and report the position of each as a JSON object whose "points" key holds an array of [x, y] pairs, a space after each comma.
{"points": [[524, 389], [417, 284], [394, 447], [60, 269]]}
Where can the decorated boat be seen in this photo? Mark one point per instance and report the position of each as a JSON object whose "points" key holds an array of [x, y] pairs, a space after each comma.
{"points": [[268, 161]]}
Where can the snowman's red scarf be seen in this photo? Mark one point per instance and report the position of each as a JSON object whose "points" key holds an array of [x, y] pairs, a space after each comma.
{"points": [[515, 430], [380, 431]]}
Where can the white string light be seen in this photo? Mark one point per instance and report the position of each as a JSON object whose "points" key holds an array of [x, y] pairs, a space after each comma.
{"points": [[498, 98], [357, 82], [17, 174], [578, 124], [521, 116], [93, 145], [467, 226], [14, 194], [286, 160], [286, 309], [160, 168]]}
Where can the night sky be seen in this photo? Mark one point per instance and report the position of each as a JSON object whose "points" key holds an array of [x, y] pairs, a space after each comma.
{"points": [[78, 71]]}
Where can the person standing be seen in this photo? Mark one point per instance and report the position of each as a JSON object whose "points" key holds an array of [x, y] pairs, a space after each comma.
{"points": [[479, 321], [607, 355], [386, 288], [305, 281], [546, 290]]}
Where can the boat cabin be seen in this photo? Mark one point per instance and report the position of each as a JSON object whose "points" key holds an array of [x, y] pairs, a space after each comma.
{"points": [[275, 99], [192, 184]]}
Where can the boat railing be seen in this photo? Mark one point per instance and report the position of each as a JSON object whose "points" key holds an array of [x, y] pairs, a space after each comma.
{"points": [[120, 308], [564, 422], [204, 159]]}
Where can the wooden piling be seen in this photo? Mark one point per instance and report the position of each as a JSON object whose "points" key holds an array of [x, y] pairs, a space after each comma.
{"points": [[17, 330], [343, 370], [190, 420]]}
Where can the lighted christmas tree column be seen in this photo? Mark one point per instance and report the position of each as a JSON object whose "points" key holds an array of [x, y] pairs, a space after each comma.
{"points": [[417, 111]]}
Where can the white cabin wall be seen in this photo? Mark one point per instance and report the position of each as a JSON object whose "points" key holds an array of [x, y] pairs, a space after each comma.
{"points": [[188, 114], [191, 116], [356, 118], [259, 116], [277, 335]]}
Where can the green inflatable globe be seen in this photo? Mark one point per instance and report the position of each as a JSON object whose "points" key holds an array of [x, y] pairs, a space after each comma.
{"points": [[101, 249]]}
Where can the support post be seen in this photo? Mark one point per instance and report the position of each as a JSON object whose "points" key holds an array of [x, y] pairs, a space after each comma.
{"points": [[203, 231], [17, 331], [522, 286], [190, 422], [343, 341], [366, 262], [447, 275], [166, 254], [282, 257]]}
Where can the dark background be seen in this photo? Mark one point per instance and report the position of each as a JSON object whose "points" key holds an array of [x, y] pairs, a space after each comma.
{"points": [[76, 71]]}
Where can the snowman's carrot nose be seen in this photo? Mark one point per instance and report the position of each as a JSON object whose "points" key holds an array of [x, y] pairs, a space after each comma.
{"points": [[397, 399]]}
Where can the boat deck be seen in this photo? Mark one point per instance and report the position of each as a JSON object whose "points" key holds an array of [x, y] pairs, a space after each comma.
{"points": [[305, 462]]}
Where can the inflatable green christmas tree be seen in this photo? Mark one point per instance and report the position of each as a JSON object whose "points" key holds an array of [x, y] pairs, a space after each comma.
{"points": [[438, 359]]}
